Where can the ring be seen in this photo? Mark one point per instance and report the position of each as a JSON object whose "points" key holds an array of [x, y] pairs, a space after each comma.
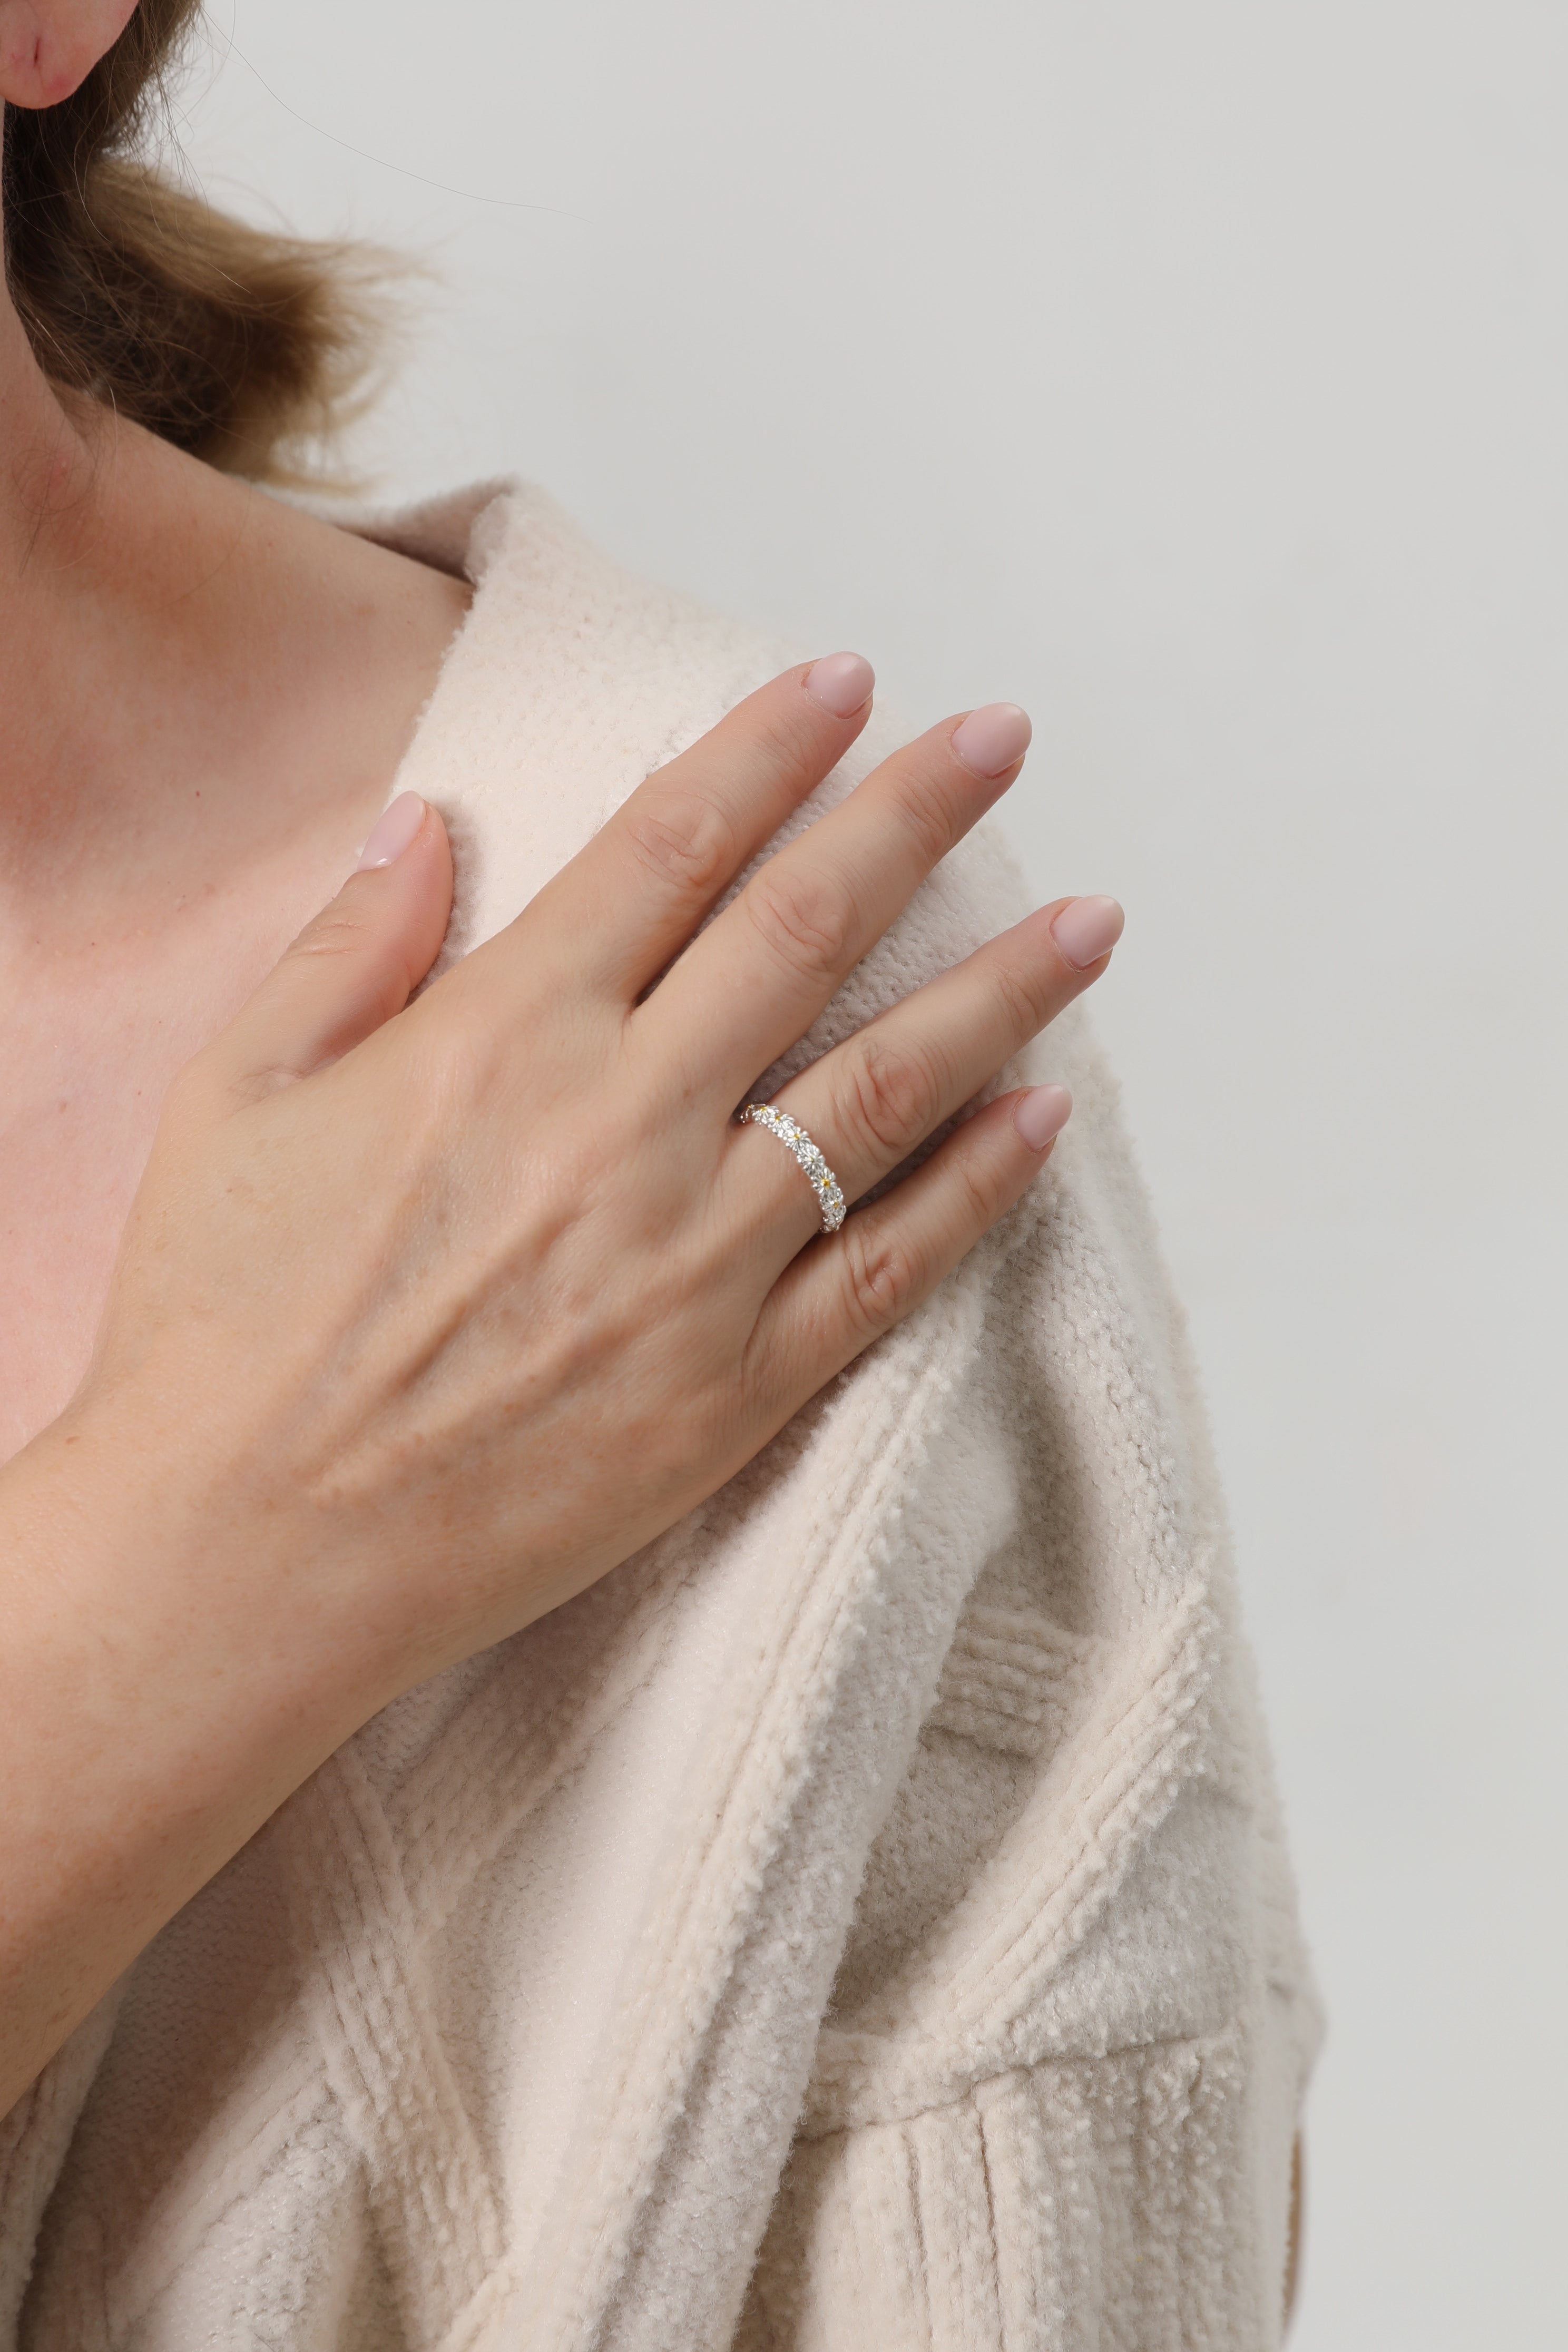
{"points": [[792, 1136]]}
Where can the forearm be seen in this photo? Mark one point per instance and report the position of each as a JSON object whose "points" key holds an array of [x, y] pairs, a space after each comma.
{"points": [[154, 1710]]}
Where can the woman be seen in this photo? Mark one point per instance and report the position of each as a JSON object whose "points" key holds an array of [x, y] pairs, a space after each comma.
{"points": [[861, 1915]]}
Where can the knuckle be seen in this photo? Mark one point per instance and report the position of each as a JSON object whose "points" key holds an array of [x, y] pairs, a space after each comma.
{"points": [[785, 729], [892, 1096], [684, 837], [777, 733], [337, 930], [1023, 995], [984, 1194], [925, 808], [882, 1279], [981, 1187], [806, 923]]}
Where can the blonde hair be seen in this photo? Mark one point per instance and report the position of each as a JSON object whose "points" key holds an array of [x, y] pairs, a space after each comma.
{"points": [[238, 345]]}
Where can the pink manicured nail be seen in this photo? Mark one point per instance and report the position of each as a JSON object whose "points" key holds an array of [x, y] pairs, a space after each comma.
{"points": [[840, 682], [990, 740], [1086, 930], [1043, 1112], [394, 829]]}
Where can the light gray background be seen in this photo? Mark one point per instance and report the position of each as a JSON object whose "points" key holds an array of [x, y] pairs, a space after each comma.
{"points": [[1195, 374]]}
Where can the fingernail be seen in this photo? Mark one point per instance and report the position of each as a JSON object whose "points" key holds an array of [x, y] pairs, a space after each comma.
{"points": [[1043, 1112], [990, 740], [1087, 928], [840, 682], [392, 831]]}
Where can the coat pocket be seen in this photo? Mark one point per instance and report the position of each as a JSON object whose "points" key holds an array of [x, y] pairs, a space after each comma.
{"points": [[1076, 2205], [1062, 1870]]}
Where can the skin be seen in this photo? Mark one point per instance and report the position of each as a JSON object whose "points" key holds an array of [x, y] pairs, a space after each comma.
{"points": [[347, 1335]]}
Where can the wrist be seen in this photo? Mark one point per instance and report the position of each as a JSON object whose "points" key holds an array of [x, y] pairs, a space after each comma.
{"points": [[153, 1712], [127, 1554]]}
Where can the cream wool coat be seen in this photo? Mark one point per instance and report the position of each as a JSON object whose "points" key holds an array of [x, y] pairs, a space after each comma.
{"points": [[861, 1922]]}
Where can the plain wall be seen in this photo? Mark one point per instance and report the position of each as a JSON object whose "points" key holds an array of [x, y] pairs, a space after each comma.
{"points": [[1195, 375]]}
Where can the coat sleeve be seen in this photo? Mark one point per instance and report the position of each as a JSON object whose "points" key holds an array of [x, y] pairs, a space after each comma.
{"points": [[1056, 2088]]}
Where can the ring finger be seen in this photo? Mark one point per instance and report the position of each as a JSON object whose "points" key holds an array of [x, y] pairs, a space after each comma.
{"points": [[875, 1098]]}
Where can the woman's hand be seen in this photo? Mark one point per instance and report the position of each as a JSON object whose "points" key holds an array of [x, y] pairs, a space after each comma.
{"points": [[506, 1289], [429, 1313]]}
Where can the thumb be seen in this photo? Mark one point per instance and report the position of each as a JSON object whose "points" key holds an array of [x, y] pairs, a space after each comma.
{"points": [[352, 968]]}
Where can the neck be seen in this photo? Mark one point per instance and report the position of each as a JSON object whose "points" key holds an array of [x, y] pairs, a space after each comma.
{"points": [[45, 464], [104, 535], [194, 675]]}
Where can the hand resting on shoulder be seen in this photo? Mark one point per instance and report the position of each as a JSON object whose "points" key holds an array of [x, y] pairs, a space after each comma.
{"points": [[432, 1308]]}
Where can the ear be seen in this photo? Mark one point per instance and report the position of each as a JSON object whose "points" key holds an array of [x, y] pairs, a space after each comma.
{"points": [[47, 48]]}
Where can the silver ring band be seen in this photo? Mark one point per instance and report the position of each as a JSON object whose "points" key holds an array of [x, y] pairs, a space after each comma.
{"points": [[792, 1136]]}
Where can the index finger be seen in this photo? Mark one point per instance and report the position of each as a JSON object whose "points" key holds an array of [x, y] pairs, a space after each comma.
{"points": [[631, 899], [758, 977]]}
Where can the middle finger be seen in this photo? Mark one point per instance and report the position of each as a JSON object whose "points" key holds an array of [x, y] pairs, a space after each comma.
{"points": [[756, 979]]}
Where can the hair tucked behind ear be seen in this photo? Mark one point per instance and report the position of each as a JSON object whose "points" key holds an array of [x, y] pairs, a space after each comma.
{"points": [[233, 344]]}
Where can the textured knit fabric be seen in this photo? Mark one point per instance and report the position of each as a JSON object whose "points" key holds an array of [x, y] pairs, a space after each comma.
{"points": [[858, 1923]]}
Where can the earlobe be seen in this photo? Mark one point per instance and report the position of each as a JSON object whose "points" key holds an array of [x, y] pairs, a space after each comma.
{"points": [[47, 48], [21, 42]]}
